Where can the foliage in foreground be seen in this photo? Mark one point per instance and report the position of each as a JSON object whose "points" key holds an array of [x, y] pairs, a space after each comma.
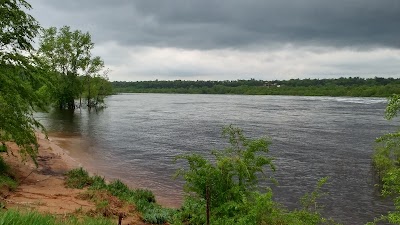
{"points": [[227, 188], [144, 200], [18, 78], [34, 218], [386, 161]]}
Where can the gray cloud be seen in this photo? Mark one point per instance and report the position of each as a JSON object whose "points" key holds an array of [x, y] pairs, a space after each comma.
{"points": [[215, 24], [235, 39]]}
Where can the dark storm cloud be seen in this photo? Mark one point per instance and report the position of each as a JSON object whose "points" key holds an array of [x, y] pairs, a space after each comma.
{"points": [[220, 24]]}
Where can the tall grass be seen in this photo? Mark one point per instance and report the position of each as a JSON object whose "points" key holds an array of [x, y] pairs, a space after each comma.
{"points": [[78, 178], [15, 217]]}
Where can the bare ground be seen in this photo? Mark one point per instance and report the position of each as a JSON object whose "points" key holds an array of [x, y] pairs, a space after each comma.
{"points": [[42, 188]]}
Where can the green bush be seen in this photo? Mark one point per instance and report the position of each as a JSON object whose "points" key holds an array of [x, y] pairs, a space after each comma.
{"points": [[146, 195], [143, 199], [228, 186], [229, 183], [119, 189], [78, 178], [156, 214], [98, 183]]}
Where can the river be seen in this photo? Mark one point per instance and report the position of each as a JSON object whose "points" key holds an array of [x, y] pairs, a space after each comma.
{"points": [[137, 136]]}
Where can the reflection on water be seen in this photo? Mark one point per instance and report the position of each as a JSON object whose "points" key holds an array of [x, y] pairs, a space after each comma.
{"points": [[137, 137]]}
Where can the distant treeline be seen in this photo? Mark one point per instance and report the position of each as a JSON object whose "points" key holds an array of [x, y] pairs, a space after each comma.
{"points": [[351, 86]]}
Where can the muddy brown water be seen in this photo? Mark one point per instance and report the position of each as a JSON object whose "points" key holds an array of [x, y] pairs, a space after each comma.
{"points": [[137, 137]]}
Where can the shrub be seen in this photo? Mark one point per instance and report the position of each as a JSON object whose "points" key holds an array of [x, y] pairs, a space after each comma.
{"points": [[145, 195], [143, 199], [228, 187], [119, 189], [98, 183], [78, 178], [156, 214], [227, 184]]}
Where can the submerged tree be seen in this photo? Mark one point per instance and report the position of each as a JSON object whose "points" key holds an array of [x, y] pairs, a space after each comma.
{"points": [[68, 55], [19, 77]]}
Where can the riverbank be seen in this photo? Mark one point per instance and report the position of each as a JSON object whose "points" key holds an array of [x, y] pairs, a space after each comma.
{"points": [[43, 188], [85, 151]]}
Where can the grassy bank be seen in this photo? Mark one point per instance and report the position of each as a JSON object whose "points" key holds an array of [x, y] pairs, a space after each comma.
{"points": [[102, 194]]}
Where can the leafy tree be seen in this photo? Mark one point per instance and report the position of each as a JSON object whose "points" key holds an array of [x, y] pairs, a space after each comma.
{"points": [[386, 161], [68, 55], [97, 88], [18, 77], [226, 185], [224, 190]]}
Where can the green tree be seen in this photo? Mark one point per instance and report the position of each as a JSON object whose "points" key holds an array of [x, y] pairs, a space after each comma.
{"points": [[386, 161], [98, 87], [225, 189], [68, 55], [18, 77]]}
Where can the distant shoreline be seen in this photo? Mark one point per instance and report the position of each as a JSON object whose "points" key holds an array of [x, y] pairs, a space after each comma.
{"points": [[342, 87], [167, 91]]}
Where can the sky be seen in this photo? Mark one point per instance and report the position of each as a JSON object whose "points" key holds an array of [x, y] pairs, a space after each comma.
{"points": [[235, 39]]}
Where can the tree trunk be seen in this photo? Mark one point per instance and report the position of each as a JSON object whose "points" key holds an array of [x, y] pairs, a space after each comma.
{"points": [[88, 97], [208, 203]]}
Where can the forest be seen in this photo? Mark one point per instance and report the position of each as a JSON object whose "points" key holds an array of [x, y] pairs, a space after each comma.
{"points": [[350, 86]]}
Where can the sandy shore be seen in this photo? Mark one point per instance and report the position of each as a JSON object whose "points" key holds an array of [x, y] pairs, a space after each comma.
{"points": [[43, 188], [78, 148]]}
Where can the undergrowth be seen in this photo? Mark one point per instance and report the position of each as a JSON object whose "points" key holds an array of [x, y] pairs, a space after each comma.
{"points": [[7, 181], [78, 178], [16, 217], [144, 200]]}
